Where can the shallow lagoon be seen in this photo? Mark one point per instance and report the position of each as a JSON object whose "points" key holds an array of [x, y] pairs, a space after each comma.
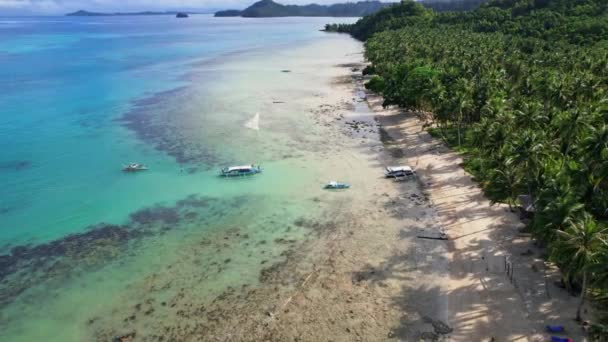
{"points": [[85, 244]]}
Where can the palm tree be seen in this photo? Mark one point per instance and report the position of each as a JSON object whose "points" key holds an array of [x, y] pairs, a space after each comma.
{"points": [[593, 175], [559, 204], [504, 182], [464, 103], [571, 126], [595, 147], [600, 269], [526, 155], [577, 249]]}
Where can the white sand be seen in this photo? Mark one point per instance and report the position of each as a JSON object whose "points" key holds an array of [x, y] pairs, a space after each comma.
{"points": [[362, 273], [483, 302]]}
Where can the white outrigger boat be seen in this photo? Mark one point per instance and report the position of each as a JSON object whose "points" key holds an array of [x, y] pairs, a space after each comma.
{"points": [[399, 172], [134, 167], [245, 170], [336, 185]]}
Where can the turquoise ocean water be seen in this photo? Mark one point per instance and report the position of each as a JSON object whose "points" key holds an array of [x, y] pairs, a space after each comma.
{"points": [[66, 80], [80, 96]]}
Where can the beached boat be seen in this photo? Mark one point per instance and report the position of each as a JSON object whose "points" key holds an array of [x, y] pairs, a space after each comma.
{"points": [[134, 167], [336, 185], [399, 171], [245, 170]]}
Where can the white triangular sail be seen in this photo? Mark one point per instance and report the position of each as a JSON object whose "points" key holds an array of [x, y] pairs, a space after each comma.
{"points": [[254, 123]]}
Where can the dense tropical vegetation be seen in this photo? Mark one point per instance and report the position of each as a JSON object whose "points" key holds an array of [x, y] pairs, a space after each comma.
{"points": [[452, 5], [521, 88]]}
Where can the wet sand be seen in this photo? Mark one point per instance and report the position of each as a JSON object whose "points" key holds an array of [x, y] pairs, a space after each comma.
{"points": [[360, 274], [368, 266]]}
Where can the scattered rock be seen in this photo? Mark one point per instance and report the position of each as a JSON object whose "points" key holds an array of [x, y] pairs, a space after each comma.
{"points": [[429, 336], [124, 338]]}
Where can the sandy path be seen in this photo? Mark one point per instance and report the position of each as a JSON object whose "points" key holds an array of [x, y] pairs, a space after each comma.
{"points": [[483, 301]]}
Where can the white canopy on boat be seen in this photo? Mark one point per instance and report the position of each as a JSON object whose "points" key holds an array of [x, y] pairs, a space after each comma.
{"points": [[244, 167], [399, 168]]}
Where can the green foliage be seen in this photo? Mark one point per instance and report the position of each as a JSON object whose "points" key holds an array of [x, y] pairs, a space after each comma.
{"points": [[578, 250], [577, 247], [453, 5], [407, 13], [340, 28], [520, 86], [376, 84]]}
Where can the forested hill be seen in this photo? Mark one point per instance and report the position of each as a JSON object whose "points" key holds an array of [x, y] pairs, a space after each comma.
{"points": [[520, 87], [269, 8], [575, 20], [452, 5]]}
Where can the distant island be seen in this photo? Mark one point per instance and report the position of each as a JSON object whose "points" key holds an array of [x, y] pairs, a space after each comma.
{"points": [[269, 8], [83, 13]]}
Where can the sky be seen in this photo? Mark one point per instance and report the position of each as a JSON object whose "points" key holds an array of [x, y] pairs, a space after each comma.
{"points": [[50, 7]]}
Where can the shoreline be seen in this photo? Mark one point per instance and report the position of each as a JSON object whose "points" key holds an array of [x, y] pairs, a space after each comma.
{"points": [[352, 266], [485, 302], [359, 274], [362, 273]]}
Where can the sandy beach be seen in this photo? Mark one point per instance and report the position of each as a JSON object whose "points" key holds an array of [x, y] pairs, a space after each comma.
{"points": [[369, 268], [181, 252], [485, 302], [276, 257], [377, 271]]}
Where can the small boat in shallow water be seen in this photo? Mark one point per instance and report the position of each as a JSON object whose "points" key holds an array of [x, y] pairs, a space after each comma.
{"points": [[336, 185], [134, 167], [245, 170]]}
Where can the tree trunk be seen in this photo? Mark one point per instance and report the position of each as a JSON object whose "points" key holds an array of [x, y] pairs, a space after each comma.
{"points": [[583, 292], [459, 123], [530, 185]]}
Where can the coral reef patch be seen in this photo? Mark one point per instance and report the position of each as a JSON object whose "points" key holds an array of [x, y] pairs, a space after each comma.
{"points": [[26, 266]]}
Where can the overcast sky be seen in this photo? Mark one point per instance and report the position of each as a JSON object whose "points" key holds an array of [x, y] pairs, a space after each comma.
{"points": [[12, 7]]}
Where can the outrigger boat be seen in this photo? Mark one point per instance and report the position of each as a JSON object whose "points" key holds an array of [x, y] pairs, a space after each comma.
{"points": [[399, 171], [134, 167], [235, 171], [336, 185]]}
